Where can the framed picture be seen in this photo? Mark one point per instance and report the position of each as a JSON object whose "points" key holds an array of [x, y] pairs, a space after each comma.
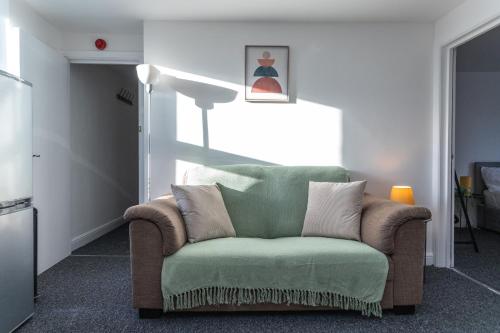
{"points": [[266, 73]]}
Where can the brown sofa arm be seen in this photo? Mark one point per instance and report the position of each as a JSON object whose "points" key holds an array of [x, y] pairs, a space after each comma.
{"points": [[398, 231], [409, 260], [381, 218], [146, 259], [156, 230], [164, 214]]}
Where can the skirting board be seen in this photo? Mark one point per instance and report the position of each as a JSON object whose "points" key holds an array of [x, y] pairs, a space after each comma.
{"points": [[95, 233], [429, 259]]}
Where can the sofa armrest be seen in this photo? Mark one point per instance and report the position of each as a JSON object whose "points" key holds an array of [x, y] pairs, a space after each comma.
{"points": [[381, 218], [146, 262], [164, 214]]}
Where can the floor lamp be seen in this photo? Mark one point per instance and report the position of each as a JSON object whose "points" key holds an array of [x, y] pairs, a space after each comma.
{"points": [[148, 75]]}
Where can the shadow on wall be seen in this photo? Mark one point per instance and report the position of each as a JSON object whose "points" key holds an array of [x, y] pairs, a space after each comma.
{"points": [[362, 96], [180, 131], [348, 120], [205, 96], [201, 120]]}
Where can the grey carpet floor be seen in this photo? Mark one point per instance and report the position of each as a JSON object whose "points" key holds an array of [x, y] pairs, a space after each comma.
{"points": [[483, 266], [90, 292]]}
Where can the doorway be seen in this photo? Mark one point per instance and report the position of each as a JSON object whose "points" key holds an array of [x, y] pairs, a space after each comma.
{"points": [[104, 122], [476, 158]]}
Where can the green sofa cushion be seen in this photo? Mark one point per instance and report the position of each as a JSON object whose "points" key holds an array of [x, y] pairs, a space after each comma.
{"points": [[294, 270], [265, 201]]}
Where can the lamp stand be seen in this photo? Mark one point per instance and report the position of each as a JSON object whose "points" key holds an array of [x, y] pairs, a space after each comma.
{"points": [[466, 214], [149, 89]]}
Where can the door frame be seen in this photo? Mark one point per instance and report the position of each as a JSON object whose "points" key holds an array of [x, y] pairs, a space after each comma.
{"points": [[122, 58], [104, 57], [444, 231]]}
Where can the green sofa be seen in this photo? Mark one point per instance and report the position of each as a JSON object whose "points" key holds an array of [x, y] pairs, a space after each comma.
{"points": [[268, 266]]}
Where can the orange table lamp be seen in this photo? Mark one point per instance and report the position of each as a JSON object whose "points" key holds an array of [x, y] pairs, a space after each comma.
{"points": [[402, 194], [466, 184]]}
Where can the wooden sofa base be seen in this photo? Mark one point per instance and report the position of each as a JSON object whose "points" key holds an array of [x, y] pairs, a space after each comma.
{"points": [[404, 309], [157, 313], [150, 313]]}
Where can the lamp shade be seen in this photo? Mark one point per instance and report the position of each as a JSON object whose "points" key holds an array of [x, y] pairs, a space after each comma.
{"points": [[148, 74], [466, 182], [402, 194]]}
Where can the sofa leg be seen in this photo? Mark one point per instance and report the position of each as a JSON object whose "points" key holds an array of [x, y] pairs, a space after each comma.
{"points": [[404, 309], [150, 313]]}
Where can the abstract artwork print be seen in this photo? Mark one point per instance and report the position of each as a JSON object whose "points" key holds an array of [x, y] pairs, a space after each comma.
{"points": [[266, 73]]}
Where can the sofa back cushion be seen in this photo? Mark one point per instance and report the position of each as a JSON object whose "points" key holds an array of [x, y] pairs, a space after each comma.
{"points": [[265, 201]]}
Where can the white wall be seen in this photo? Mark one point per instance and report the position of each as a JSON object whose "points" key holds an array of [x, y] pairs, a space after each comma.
{"points": [[9, 41], [360, 98], [4, 16], [22, 15], [104, 168], [121, 48], [24, 55], [49, 73], [41, 49], [115, 42], [477, 119]]}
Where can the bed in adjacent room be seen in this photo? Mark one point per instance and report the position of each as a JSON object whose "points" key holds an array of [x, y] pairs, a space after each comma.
{"points": [[487, 186]]}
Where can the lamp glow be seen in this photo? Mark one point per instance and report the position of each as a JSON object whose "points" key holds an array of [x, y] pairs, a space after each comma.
{"points": [[466, 185], [402, 194], [148, 74], [466, 182]]}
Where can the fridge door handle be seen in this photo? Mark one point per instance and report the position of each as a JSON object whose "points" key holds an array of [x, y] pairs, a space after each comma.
{"points": [[9, 207], [36, 155]]}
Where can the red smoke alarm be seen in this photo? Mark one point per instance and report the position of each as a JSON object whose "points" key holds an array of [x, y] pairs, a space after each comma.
{"points": [[100, 44]]}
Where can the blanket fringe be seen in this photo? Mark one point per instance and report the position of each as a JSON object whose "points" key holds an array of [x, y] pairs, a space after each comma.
{"points": [[238, 296]]}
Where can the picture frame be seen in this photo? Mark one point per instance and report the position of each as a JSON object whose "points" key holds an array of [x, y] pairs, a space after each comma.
{"points": [[266, 73]]}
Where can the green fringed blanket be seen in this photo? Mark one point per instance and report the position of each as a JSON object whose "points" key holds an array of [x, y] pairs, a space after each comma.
{"points": [[312, 271]]}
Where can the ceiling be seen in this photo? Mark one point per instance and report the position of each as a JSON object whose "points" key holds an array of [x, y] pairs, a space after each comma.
{"points": [[126, 15]]}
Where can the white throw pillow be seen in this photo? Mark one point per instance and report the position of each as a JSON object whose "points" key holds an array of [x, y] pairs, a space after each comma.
{"points": [[203, 211], [334, 210], [491, 177]]}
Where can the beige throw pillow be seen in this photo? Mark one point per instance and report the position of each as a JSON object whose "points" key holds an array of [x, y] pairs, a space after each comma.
{"points": [[334, 210], [204, 212]]}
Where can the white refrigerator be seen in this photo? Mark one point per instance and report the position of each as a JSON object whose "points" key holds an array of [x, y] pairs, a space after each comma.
{"points": [[16, 212]]}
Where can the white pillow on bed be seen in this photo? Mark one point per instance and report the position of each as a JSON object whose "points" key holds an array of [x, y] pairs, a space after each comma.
{"points": [[491, 177], [492, 199]]}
